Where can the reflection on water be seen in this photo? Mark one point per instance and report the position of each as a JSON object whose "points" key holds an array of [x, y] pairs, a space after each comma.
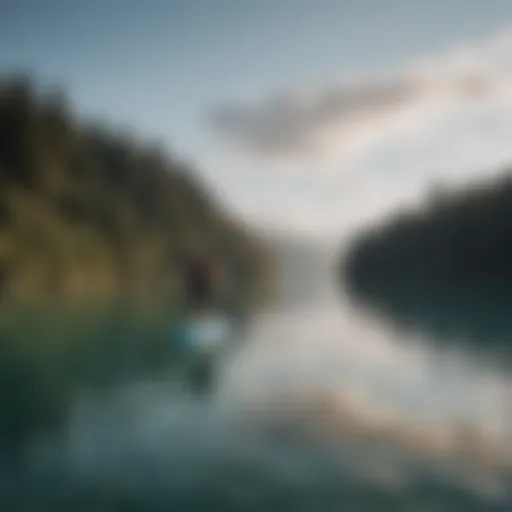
{"points": [[319, 409]]}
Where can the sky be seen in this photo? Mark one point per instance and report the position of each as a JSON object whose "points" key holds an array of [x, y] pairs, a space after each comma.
{"points": [[308, 116]]}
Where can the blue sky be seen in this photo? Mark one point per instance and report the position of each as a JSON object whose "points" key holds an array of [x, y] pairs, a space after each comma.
{"points": [[162, 66]]}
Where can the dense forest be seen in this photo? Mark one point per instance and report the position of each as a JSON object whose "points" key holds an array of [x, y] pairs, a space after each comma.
{"points": [[90, 213], [445, 265]]}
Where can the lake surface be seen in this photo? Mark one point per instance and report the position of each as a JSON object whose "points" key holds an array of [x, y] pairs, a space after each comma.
{"points": [[321, 407]]}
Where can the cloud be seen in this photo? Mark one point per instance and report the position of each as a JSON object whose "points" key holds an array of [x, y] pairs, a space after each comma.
{"points": [[288, 123], [351, 117]]}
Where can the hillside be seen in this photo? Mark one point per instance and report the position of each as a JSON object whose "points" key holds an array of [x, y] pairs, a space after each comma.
{"points": [[86, 212], [445, 266]]}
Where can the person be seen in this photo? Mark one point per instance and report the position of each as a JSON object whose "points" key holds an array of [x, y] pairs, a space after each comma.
{"points": [[206, 328], [202, 276]]}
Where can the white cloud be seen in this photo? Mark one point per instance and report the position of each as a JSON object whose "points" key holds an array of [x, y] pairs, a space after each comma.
{"points": [[348, 154], [346, 121]]}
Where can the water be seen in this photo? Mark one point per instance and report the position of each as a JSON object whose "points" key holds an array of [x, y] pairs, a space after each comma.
{"points": [[321, 408]]}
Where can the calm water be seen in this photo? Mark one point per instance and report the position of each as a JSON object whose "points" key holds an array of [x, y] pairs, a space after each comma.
{"points": [[321, 408]]}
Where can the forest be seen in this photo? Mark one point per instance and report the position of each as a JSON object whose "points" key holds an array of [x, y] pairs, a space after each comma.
{"points": [[90, 213], [443, 266]]}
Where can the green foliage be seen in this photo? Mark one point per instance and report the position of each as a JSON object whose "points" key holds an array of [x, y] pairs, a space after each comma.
{"points": [[459, 238], [87, 212]]}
